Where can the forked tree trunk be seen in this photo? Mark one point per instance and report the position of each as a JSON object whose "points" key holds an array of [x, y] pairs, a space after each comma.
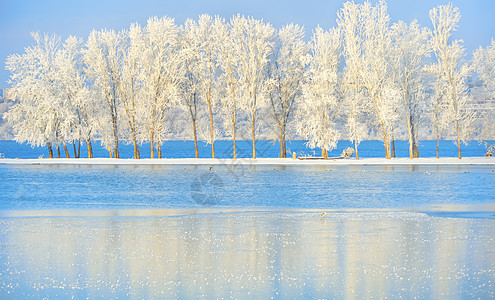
{"points": [[324, 153], [386, 142]]}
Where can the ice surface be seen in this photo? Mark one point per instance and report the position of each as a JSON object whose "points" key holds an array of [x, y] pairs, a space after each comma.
{"points": [[244, 254], [282, 231]]}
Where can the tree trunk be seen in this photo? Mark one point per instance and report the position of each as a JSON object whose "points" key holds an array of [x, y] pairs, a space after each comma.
{"points": [[410, 135], [324, 153], [152, 145], [211, 130], [50, 150], [74, 148], [58, 150], [253, 131], [393, 147], [159, 149], [233, 139], [356, 149], [79, 148], [280, 138], [65, 149], [386, 142], [196, 154], [458, 139], [438, 144], [415, 147], [90, 148], [136, 147], [115, 136], [285, 148]]}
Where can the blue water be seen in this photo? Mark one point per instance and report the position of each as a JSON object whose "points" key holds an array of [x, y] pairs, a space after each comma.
{"points": [[309, 187], [223, 149]]}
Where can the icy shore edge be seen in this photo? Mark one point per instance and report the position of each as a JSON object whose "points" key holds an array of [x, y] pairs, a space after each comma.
{"points": [[250, 161]]}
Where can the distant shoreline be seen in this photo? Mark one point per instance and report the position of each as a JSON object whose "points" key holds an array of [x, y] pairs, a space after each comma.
{"points": [[250, 161]]}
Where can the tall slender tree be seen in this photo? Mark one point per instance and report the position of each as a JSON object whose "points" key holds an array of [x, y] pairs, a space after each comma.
{"points": [[189, 88], [320, 109], [254, 43], [284, 84], [103, 64], [451, 71], [410, 48], [206, 34], [229, 62], [159, 76]]}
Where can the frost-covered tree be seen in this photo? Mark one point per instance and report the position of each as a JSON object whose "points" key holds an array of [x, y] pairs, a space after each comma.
{"points": [[370, 28], [80, 108], [285, 74], [36, 116], [484, 64], [349, 21], [206, 35], [451, 71], [321, 106], [188, 89], [254, 43], [103, 68], [159, 76], [437, 109], [229, 61], [127, 80], [410, 48]]}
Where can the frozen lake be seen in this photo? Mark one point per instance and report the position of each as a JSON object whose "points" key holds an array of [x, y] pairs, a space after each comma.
{"points": [[141, 231]]}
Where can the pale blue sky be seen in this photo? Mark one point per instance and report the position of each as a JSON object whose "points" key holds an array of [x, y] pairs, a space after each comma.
{"points": [[20, 17]]}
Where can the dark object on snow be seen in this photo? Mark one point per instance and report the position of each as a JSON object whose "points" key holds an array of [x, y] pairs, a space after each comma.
{"points": [[348, 152], [310, 157]]}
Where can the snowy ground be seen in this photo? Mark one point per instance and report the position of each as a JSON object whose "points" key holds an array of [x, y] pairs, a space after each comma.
{"points": [[261, 161]]}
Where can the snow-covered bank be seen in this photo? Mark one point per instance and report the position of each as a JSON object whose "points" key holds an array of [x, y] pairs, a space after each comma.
{"points": [[249, 161]]}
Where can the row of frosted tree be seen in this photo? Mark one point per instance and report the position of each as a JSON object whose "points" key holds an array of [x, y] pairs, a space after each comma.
{"points": [[243, 79]]}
